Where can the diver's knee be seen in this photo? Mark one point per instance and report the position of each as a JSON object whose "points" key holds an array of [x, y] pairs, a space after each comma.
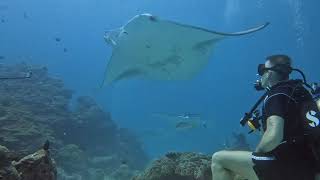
{"points": [[217, 157], [216, 165]]}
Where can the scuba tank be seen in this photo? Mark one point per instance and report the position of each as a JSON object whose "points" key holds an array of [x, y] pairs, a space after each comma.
{"points": [[316, 94], [311, 112]]}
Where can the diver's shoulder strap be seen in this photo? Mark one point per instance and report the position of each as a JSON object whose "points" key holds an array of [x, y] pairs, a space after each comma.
{"points": [[286, 88]]}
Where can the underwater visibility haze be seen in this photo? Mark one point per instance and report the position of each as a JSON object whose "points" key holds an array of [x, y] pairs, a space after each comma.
{"points": [[169, 106]]}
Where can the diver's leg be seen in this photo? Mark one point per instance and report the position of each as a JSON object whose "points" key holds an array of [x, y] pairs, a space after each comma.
{"points": [[227, 163], [220, 173]]}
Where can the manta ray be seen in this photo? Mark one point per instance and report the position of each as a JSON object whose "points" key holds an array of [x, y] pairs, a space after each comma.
{"points": [[183, 121], [157, 49]]}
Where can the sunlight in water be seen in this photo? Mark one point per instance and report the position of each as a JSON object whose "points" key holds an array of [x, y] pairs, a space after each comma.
{"points": [[231, 8], [260, 4]]}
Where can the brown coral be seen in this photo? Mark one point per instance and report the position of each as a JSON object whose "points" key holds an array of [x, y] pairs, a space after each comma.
{"points": [[36, 166], [178, 166]]}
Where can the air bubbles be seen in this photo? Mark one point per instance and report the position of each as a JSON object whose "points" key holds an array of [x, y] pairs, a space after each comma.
{"points": [[298, 21], [232, 8]]}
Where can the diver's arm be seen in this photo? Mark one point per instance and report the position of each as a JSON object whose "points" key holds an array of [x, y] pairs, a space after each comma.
{"points": [[273, 135]]}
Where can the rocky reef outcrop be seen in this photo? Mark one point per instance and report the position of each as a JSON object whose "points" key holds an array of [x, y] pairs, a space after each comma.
{"points": [[7, 170], [178, 166], [29, 108], [85, 141], [36, 166], [189, 165]]}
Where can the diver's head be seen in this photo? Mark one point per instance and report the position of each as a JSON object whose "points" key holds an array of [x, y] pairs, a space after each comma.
{"points": [[276, 68]]}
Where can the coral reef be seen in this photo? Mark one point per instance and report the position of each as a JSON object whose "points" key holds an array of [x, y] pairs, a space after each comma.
{"points": [[29, 108], [71, 158], [86, 142], [7, 170], [88, 128], [36, 166], [189, 166], [178, 166]]}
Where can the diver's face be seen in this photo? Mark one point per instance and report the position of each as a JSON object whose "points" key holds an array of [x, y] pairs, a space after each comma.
{"points": [[265, 78]]}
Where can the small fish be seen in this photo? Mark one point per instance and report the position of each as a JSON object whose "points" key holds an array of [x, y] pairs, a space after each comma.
{"points": [[2, 57], [28, 74], [57, 39], [153, 18], [184, 116], [65, 50], [204, 124], [3, 21], [124, 162], [25, 15]]}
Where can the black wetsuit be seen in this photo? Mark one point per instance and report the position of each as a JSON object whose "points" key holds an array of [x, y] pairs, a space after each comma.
{"points": [[292, 159]]}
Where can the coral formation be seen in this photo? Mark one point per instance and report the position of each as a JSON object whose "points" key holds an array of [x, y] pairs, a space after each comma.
{"points": [[178, 166], [85, 141], [68, 155], [30, 108], [36, 166], [7, 170], [188, 166]]}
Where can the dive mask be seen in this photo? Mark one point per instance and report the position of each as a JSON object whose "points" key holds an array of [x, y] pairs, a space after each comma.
{"points": [[283, 69], [280, 68], [261, 69]]}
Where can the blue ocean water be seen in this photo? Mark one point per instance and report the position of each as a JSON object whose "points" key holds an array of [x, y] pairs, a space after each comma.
{"points": [[221, 93]]}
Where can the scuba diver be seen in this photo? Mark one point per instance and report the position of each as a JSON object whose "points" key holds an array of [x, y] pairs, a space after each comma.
{"points": [[289, 118]]}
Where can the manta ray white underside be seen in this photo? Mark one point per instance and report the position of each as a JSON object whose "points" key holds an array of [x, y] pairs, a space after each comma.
{"points": [[157, 49]]}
